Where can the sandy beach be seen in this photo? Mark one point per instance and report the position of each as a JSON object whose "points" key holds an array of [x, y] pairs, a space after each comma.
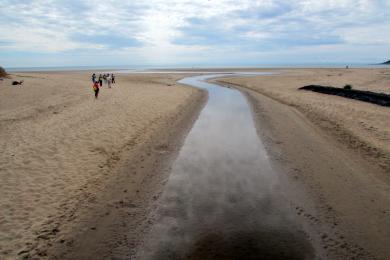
{"points": [[333, 149], [79, 176], [359, 125], [60, 148], [232, 130]]}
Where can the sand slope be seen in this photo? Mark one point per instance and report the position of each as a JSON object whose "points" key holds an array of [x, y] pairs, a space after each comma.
{"points": [[56, 141]]}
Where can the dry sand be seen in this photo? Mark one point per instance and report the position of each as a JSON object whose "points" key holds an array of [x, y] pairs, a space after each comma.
{"points": [[61, 149], [335, 153], [360, 125]]}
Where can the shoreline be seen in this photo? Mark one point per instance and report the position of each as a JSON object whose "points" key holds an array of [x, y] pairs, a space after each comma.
{"points": [[149, 68]]}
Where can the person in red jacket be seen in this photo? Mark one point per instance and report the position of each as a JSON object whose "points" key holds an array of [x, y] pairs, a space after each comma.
{"points": [[96, 89]]}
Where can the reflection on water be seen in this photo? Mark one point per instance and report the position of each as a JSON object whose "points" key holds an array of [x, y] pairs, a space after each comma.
{"points": [[223, 199]]}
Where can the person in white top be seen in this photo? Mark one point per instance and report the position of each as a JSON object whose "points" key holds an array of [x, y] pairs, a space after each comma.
{"points": [[109, 81]]}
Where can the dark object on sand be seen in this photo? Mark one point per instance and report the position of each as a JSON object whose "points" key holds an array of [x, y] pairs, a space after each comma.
{"points": [[386, 63], [381, 99], [347, 86], [3, 73], [14, 83]]}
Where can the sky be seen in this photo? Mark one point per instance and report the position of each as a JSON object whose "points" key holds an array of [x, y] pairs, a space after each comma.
{"points": [[192, 33]]}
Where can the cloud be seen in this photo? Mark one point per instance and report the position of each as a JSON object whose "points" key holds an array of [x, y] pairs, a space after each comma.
{"points": [[110, 41], [193, 30]]}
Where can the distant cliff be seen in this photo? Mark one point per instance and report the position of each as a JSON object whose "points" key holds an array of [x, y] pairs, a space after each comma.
{"points": [[386, 62]]}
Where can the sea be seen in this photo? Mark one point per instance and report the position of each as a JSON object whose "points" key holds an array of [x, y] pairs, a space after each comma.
{"points": [[134, 69]]}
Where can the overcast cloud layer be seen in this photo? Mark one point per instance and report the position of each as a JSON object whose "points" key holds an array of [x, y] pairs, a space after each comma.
{"points": [[192, 33]]}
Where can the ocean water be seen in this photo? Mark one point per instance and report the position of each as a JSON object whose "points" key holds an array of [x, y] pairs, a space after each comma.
{"points": [[133, 68]]}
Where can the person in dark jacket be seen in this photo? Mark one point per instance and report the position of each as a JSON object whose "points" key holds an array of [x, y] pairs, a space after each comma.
{"points": [[100, 80]]}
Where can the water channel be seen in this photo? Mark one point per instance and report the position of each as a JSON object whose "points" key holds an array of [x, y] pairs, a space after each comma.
{"points": [[223, 199]]}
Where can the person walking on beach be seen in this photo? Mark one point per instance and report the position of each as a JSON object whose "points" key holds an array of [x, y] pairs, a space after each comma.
{"points": [[112, 78], [100, 80], [96, 89], [108, 80], [93, 78], [105, 79]]}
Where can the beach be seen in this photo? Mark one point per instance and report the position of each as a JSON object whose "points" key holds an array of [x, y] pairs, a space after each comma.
{"points": [[359, 125], [334, 153], [61, 148], [80, 177]]}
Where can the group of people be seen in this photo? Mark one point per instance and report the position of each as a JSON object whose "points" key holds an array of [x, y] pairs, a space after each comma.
{"points": [[107, 79]]}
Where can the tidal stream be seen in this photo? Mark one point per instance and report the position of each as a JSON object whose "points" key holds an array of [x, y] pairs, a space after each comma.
{"points": [[223, 200]]}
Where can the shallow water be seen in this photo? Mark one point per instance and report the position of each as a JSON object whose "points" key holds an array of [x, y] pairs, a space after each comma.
{"points": [[223, 200]]}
